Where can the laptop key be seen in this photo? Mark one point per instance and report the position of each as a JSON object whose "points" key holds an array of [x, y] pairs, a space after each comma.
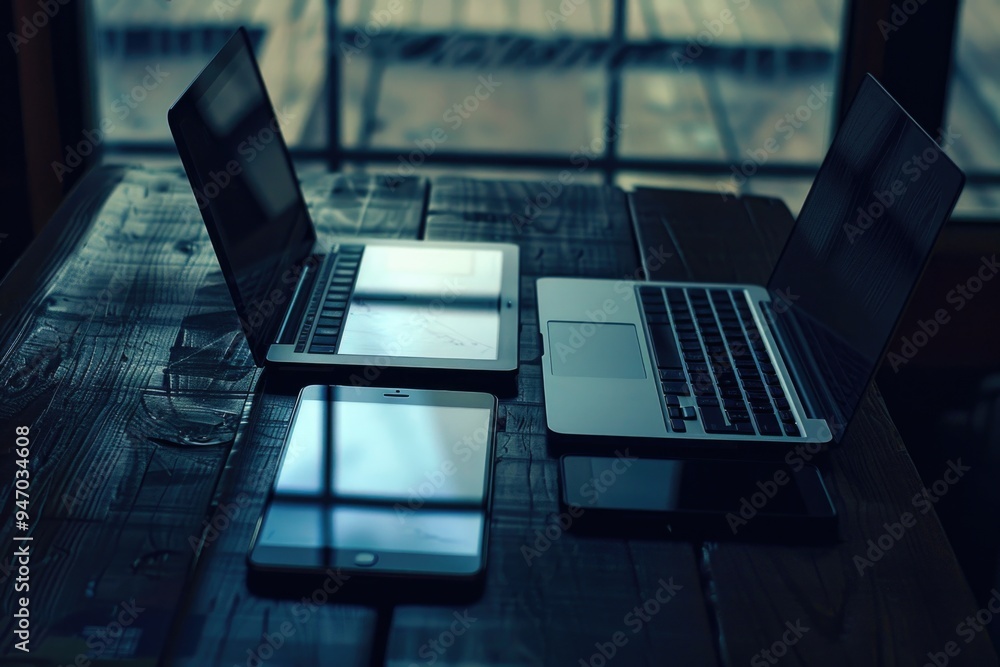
{"points": [[664, 347], [713, 421], [324, 340], [672, 375], [678, 426], [676, 388], [708, 401], [327, 331], [672, 400], [322, 349], [786, 416], [792, 429], [674, 413], [738, 415], [767, 423], [744, 428], [703, 388]]}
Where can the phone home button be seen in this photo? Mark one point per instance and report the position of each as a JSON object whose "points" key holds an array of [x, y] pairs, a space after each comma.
{"points": [[365, 559]]}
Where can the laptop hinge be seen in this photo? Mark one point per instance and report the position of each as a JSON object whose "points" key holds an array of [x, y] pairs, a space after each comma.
{"points": [[300, 299], [804, 389]]}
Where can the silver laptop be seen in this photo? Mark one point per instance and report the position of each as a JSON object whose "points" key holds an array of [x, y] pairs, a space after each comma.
{"points": [[367, 304], [758, 367]]}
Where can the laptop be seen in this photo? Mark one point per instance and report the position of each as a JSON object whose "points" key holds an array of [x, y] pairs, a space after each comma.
{"points": [[371, 305], [759, 368]]}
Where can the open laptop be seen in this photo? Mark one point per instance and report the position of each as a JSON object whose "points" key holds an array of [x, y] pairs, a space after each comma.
{"points": [[372, 304], [751, 367]]}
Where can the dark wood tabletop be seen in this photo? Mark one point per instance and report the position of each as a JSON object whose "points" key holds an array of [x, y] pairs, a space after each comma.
{"points": [[154, 439]]}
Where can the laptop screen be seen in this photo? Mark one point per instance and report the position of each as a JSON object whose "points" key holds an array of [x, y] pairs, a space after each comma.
{"points": [[862, 239], [245, 186]]}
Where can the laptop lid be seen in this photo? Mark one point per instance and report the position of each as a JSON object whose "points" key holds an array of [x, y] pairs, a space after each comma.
{"points": [[861, 241], [244, 182]]}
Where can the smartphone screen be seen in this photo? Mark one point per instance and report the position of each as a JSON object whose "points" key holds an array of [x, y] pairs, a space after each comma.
{"points": [[384, 480]]}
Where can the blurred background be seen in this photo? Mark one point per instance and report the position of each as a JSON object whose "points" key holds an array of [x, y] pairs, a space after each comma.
{"points": [[692, 84]]}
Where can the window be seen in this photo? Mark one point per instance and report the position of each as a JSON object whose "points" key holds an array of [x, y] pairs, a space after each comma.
{"points": [[974, 107], [724, 95]]}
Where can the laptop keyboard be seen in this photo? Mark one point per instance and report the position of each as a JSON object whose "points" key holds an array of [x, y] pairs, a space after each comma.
{"points": [[328, 303], [708, 348]]}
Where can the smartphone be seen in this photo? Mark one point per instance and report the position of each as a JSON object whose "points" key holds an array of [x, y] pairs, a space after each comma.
{"points": [[698, 498], [383, 483]]}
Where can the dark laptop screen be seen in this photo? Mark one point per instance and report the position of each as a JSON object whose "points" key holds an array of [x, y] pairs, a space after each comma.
{"points": [[861, 241], [228, 136]]}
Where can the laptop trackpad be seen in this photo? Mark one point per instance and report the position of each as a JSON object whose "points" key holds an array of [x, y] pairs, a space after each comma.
{"points": [[586, 349]]}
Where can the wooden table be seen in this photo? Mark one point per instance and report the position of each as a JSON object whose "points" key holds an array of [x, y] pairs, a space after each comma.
{"points": [[154, 439]]}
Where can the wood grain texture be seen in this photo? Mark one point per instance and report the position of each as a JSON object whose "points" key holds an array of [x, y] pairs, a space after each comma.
{"points": [[155, 440], [122, 353]]}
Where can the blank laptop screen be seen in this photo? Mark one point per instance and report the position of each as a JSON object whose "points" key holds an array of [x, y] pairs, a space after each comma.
{"points": [[859, 246], [244, 184]]}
